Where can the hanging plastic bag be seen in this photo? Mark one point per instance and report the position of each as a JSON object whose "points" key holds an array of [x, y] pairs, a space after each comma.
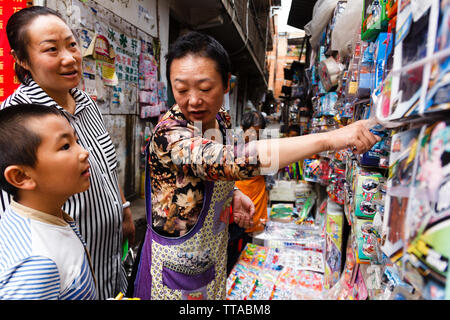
{"points": [[322, 12], [347, 25]]}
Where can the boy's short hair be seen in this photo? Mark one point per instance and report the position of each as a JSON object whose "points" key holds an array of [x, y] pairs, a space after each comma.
{"points": [[18, 144], [294, 127]]}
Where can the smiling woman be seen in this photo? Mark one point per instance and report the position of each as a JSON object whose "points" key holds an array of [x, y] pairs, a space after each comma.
{"points": [[48, 64], [54, 58]]}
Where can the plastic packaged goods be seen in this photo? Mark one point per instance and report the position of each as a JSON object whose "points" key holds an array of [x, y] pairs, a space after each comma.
{"points": [[366, 73], [437, 97], [322, 12], [374, 19], [264, 273], [400, 181], [330, 72], [415, 36], [377, 156], [334, 234], [383, 48], [281, 212], [365, 243], [395, 196], [433, 251], [291, 232], [346, 26]]}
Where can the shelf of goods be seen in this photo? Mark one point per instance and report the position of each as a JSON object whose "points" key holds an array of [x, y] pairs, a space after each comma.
{"points": [[384, 224], [395, 196]]}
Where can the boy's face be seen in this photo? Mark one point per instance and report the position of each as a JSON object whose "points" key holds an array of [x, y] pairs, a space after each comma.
{"points": [[62, 167]]}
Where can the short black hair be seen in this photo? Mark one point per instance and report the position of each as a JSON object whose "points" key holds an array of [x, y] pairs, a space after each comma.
{"points": [[294, 127], [253, 119], [199, 44], [18, 144]]}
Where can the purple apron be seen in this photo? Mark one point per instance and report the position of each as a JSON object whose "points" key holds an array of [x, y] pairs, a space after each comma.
{"points": [[193, 266]]}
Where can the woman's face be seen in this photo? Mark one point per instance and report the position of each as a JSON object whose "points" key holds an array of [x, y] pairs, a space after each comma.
{"points": [[54, 55], [197, 88]]}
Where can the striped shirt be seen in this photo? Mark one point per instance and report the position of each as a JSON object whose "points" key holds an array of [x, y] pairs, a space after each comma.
{"points": [[97, 211], [42, 257]]}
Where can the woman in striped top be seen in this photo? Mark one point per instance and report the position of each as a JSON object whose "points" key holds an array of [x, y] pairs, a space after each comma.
{"points": [[48, 65]]}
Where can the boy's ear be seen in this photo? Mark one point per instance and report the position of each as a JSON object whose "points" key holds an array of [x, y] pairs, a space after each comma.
{"points": [[17, 176]]}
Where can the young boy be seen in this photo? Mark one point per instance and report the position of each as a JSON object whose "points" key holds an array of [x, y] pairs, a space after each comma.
{"points": [[42, 255]]}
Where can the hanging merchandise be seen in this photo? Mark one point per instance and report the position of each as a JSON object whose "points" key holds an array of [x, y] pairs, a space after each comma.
{"points": [[346, 27], [351, 285], [335, 188], [394, 197], [438, 96], [375, 19], [329, 74], [366, 72], [322, 12], [148, 83], [333, 236], [374, 225]]}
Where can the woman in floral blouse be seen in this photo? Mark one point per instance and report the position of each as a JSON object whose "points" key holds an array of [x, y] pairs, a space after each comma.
{"points": [[193, 161]]}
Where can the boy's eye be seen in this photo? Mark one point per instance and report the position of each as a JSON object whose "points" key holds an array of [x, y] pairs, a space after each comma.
{"points": [[65, 147], [73, 45]]}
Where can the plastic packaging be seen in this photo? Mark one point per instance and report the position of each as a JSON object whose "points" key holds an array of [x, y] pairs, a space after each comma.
{"points": [[322, 12], [346, 26]]}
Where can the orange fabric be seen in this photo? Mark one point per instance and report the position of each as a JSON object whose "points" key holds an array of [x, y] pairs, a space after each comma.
{"points": [[255, 189]]}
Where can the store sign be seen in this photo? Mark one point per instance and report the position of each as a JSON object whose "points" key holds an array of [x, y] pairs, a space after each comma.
{"points": [[127, 51], [8, 79]]}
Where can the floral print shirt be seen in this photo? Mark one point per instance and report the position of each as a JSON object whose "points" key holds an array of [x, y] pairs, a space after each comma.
{"points": [[181, 158]]}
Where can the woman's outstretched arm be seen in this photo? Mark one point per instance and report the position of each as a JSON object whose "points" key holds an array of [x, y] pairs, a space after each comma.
{"points": [[277, 153]]}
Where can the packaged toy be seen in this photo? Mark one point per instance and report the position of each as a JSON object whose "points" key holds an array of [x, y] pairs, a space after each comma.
{"points": [[367, 190], [430, 195], [333, 236], [438, 96], [282, 212], [365, 246]]}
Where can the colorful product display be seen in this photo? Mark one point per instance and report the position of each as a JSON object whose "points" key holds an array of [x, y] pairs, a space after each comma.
{"points": [[282, 212], [395, 196], [333, 235], [264, 273], [376, 225], [367, 191]]}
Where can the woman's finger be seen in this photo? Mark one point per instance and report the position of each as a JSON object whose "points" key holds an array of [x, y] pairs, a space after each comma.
{"points": [[373, 138], [367, 139]]}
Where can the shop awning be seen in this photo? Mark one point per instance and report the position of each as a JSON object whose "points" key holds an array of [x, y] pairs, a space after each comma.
{"points": [[300, 13]]}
